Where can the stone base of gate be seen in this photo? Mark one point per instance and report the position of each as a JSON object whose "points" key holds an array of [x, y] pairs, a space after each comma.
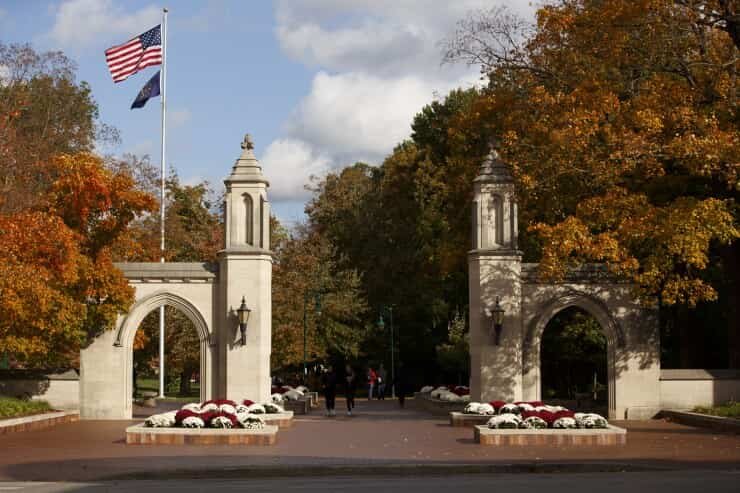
{"points": [[142, 435], [610, 436]]}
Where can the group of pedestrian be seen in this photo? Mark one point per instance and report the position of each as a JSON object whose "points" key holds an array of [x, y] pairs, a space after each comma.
{"points": [[376, 381]]}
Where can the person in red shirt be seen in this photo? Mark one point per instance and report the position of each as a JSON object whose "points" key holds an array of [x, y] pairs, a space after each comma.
{"points": [[372, 378]]}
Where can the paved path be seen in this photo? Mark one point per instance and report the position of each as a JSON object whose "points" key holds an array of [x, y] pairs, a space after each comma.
{"points": [[653, 482], [379, 434]]}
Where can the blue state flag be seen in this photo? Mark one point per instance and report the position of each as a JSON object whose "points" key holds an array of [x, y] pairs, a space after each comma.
{"points": [[149, 90]]}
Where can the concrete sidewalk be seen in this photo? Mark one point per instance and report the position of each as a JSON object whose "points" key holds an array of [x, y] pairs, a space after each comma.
{"points": [[379, 438]]}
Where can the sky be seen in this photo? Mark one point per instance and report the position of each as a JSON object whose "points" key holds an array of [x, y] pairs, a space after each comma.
{"points": [[320, 84]]}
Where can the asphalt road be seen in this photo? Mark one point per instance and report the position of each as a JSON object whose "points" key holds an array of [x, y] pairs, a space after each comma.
{"points": [[652, 482]]}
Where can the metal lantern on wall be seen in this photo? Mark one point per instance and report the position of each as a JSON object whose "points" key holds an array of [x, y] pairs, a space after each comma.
{"points": [[243, 313], [498, 321]]}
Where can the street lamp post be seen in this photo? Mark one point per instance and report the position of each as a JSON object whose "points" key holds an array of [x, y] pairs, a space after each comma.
{"points": [[381, 326]]}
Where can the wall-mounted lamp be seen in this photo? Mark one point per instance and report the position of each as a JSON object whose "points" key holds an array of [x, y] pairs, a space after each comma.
{"points": [[498, 321], [243, 313]]}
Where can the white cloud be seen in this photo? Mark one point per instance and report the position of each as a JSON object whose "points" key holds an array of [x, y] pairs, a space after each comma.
{"points": [[360, 116], [80, 23], [289, 164], [377, 36], [179, 117], [378, 63]]}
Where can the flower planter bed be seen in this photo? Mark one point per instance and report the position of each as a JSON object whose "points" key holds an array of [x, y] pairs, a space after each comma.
{"points": [[313, 398], [609, 436], [281, 420], [144, 435], [699, 420], [301, 406], [37, 421], [460, 419], [424, 402]]}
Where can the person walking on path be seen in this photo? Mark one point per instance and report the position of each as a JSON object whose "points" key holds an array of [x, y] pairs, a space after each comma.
{"points": [[351, 387], [372, 377], [329, 384], [381, 382]]}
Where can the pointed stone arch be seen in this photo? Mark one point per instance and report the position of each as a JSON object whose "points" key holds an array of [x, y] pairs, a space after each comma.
{"points": [[609, 326]]}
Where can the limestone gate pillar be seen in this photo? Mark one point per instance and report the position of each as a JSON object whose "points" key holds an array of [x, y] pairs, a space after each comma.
{"points": [[245, 270], [495, 271]]}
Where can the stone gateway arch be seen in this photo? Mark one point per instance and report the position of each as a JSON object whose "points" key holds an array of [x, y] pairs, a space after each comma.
{"points": [[209, 295], [511, 370]]}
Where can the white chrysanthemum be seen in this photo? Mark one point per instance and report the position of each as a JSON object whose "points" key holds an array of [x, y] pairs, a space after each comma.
{"points": [[293, 395], [272, 408], [486, 409], [465, 398], [221, 422], [449, 396], [193, 422], [277, 398], [509, 409], [302, 388], [241, 409], [164, 420], [590, 420], [565, 422], [426, 389], [472, 408], [525, 407], [535, 422], [252, 422], [550, 409], [256, 409], [227, 408], [211, 406], [192, 406], [505, 421]]}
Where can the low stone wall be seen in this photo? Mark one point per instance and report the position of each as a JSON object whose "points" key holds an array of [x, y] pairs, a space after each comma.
{"points": [[610, 436], [142, 435], [424, 402], [687, 389], [60, 390], [37, 421]]}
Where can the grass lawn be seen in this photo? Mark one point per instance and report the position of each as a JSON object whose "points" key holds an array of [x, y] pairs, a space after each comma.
{"points": [[729, 410], [11, 407], [172, 391]]}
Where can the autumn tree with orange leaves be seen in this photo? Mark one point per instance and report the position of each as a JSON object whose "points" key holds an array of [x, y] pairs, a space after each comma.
{"points": [[620, 119], [61, 212]]}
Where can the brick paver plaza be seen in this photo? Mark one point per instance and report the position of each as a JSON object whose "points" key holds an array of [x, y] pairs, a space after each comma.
{"points": [[379, 434]]}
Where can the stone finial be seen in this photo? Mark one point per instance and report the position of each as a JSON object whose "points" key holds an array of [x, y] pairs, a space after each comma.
{"points": [[248, 143]]}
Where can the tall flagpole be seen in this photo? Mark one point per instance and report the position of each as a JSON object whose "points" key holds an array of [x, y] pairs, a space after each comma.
{"points": [[163, 85]]}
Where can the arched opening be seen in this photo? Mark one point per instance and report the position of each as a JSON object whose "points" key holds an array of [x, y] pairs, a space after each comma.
{"points": [[182, 360], [574, 361]]}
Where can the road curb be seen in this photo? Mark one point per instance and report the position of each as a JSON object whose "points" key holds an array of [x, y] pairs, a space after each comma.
{"points": [[702, 420], [389, 470]]}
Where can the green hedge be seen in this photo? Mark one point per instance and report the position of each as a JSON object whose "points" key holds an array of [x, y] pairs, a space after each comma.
{"points": [[12, 408], [729, 410]]}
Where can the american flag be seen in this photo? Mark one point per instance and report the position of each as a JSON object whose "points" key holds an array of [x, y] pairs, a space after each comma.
{"points": [[144, 50]]}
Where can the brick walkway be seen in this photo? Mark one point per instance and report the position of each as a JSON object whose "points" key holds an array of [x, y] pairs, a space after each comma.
{"points": [[379, 434]]}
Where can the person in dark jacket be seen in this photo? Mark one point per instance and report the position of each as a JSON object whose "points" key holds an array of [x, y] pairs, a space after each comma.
{"points": [[350, 384], [329, 383]]}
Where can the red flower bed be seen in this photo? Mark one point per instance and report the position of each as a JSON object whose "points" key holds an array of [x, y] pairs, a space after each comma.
{"points": [[247, 402], [497, 404], [461, 391]]}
